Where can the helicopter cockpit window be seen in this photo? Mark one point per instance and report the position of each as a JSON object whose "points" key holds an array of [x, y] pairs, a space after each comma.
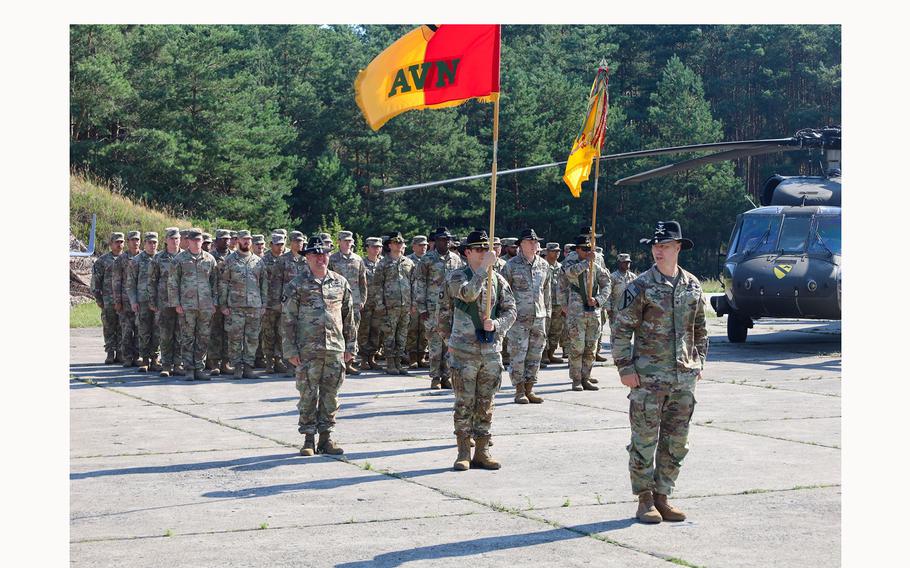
{"points": [[794, 234], [758, 233], [828, 227]]}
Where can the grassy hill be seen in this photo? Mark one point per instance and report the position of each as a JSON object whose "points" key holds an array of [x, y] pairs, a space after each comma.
{"points": [[116, 212]]}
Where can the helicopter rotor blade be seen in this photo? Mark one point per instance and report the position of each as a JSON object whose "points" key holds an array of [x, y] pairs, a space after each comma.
{"points": [[717, 147], [709, 159]]}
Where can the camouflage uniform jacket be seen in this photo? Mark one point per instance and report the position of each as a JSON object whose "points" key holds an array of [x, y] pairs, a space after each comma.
{"points": [[572, 258], [392, 282], [530, 283], [242, 282], [471, 288], [193, 281], [574, 288], [555, 288], [120, 278], [137, 284], [270, 264], [369, 267], [354, 271], [619, 282], [668, 322], [285, 270], [432, 273], [500, 264], [102, 276], [157, 280], [318, 316]]}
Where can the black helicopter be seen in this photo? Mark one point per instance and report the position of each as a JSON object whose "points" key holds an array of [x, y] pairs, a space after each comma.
{"points": [[783, 259]]}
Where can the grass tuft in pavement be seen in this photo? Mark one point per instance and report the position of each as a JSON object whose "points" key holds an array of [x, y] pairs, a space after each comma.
{"points": [[85, 315]]}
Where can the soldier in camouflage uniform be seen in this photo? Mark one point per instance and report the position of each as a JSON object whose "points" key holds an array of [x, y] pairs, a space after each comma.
{"points": [[184, 240], [192, 287], [140, 303], [270, 335], [207, 242], [103, 292], [434, 268], [529, 277], [500, 262], [474, 344], [557, 321], [217, 360], [129, 338], [392, 283], [416, 343], [258, 247], [318, 316], [620, 278], [289, 265], [350, 265], [664, 310], [166, 314], [232, 242], [327, 241], [370, 319], [583, 311], [243, 291]]}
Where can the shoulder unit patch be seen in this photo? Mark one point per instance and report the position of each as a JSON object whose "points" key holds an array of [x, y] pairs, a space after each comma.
{"points": [[629, 295]]}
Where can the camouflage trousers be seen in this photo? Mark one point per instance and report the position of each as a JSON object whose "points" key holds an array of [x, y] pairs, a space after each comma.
{"points": [[417, 336], [148, 331], [270, 335], [583, 334], [600, 330], [218, 349], [369, 329], [169, 336], [555, 331], [439, 363], [319, 378], [659, 413], [195, 331], [110, 327], [475, 381], [395, 329], [129, 338], [242, 331], [527, 338]]}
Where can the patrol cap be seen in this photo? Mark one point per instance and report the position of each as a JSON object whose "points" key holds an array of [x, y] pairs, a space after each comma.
{"points": [[222, 234], [553, 246], [242, 234], [278, 239], [171, 233], [151, 236], [418, 240], [117, 237], [396, 237], [345, 236], [134, 235], [497, 241], [598, 249], [183, 232], [624, 257], [258, 239], [326, 239], [193, 233], [234, 234], [509, 242], [297, 236], [281, 232], [206, 238], [374, 242]]}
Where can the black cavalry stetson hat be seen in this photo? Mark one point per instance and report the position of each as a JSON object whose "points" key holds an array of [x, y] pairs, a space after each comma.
{"points": [[586, 230], [315, 245], [668, 231], [442, 232], [530, 235], [477, 237], [583, 240]]}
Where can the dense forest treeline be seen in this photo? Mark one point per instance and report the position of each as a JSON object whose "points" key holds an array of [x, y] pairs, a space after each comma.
{"points": [[256, 126]]}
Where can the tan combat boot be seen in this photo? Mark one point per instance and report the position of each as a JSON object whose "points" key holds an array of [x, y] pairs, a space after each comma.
{"points": [[576, 386], [413, 359], [435, 383], [647, 512], [532, 398], [309, 446], [586, 385], [599, 358], [350, 369], [166, 372], [143, 365], [463, 461], [593, 381], [109, 360], [327, 445], [666, 510], [279, 366], [446, 382], [248, 372], [482, 457], [226, 368], [520, 397], [543, 362], [371, 362], [154, 365]]}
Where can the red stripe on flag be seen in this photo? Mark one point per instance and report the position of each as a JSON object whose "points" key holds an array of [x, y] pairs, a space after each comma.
{"points": [[476, 73]]}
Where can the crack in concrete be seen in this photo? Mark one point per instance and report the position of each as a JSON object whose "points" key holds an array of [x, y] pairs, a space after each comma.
{"points": [[140, 454], [765, 436]]}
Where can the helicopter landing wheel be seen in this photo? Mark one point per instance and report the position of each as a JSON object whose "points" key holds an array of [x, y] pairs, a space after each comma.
{"points": [[737, 329]]}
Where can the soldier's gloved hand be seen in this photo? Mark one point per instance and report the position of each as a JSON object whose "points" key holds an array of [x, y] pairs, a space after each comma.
{"points": [[179, 310], [592, 302], [489, 325], [226, 311], [630, 381], [489, 259], [295, 360], [135, 308]]}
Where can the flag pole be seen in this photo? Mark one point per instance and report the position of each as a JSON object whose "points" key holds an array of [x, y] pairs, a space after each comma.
{"points": [[594, 224], [489, 307]]}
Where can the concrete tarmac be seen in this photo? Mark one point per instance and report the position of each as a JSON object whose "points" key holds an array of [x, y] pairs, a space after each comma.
{"points": [[171, 473]]}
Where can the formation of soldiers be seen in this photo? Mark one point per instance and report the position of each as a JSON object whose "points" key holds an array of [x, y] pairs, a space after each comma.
{"points": [[229, 305]]}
